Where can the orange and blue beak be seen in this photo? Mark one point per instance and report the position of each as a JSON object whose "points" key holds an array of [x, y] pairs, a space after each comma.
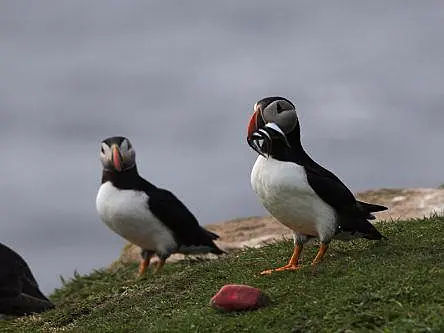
{"points": [[254, 138], [253, 124], [117, 158]]}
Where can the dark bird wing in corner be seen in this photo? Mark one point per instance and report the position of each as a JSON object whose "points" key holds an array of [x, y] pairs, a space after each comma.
{"points": [[19, 291], [185, 227], [23, 304]]}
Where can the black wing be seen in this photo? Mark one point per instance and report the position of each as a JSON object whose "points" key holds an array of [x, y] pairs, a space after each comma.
{"points": [[330, 188], [176, 216], [353, 215], [333, 191]]}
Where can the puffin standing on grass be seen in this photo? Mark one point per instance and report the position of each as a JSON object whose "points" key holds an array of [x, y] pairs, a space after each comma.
{"points": [[297, 191], [19, 291], [145, 215]]}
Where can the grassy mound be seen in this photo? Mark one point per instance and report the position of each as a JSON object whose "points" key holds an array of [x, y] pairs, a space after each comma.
{"points": [[388, 286]]}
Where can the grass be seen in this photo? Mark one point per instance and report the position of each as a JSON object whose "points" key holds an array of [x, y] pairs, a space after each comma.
{"points": [[361, 286]]}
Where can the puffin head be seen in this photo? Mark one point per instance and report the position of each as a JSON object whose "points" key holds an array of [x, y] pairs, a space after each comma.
{"points": [[275, 116], [117, 154]]}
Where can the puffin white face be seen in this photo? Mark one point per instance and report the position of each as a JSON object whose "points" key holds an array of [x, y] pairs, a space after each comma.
{"points": [[282, 113], [117, 154], [278, 112]]}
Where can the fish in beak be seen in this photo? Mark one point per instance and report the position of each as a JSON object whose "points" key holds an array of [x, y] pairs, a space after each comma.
{"points": [[261, 139]]}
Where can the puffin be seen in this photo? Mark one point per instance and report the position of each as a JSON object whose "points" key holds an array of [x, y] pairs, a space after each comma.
{"points": [[298, 192], [19, 292], [148, 216]]}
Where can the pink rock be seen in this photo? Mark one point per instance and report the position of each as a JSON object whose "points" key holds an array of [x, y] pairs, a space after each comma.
{"points": [[238, 297]]}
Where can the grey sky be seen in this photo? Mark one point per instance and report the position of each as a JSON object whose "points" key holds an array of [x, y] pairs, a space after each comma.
{"points": [[180, 79]]}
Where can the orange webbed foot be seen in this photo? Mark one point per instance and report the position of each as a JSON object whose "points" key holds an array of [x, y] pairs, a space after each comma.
{"points": [[293, 264], [289, 267]]}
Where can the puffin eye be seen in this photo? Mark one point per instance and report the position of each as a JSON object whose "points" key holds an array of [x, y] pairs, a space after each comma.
{"points": [[278, 108], [102, 150]]}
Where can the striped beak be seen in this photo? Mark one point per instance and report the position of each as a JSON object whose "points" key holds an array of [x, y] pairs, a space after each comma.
{"points": [[117, 158]]}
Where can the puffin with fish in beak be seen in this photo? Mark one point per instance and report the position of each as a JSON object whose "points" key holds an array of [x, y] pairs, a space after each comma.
{"points": [[297, 191]]}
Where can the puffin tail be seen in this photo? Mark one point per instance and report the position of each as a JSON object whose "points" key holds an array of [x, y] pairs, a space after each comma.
{"points": [[372, 233], [210, 234], [203, 243], [200, 249], [214, 248], [213, 237], [372, 207], [357, 227], [368, 209]]}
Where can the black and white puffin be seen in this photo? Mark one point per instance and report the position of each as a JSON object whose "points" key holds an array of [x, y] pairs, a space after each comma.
{"points": [[19, 292], [148, 216], [297, 191]]}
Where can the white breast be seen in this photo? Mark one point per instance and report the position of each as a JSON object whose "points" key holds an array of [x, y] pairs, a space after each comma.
{"points": [[126, 213], [284, 191]]}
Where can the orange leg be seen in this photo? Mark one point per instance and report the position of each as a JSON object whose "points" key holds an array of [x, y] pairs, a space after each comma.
{"points": [[144, 263], [159, 266], [292, 264], [322, 249]]}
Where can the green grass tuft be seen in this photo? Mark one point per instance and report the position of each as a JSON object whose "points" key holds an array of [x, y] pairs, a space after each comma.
{"points": [[361, 286]]}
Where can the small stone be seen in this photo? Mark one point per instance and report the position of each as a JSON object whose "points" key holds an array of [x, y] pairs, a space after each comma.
{"points": [[238, 297]]}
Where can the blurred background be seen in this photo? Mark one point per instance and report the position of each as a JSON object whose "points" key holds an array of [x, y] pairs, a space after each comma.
{"points": [[180, 78]]}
